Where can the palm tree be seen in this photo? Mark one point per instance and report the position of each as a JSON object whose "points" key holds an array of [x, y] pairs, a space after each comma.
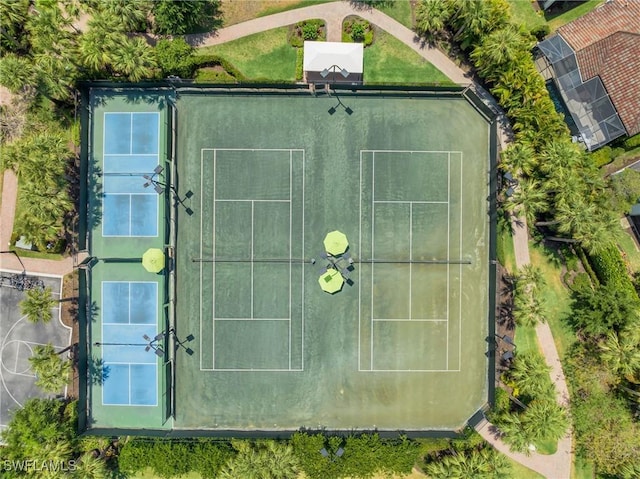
{"points": [[531, 275], [91, 467], [531, 375], [519, 158], [17, 73], [50, 369], [474, 18], [621, 352], [38, 304], [514, 433], [529, 199], [432, 17], [135, 60], [483, 464], [499, 51], [545, 420], [132, 16]]}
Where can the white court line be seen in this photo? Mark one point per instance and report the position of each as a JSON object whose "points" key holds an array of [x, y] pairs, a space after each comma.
{"points": [[130, 134], [303, 264], [201, 264], [415, 202], [213, 266], [409, 370], [448, 251], [241, 200], [360, 269], [409, 151], [262, 370], [291, 150], [448, 202], [413, 320], [460, 276], [373, 221], [410, 258], [251, 254], [290, 246], [252, 319], [253, 149]]}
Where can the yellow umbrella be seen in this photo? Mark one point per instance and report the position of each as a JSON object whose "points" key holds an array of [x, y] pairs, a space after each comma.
{"points": [[336, 243], [153, 260], [331, 281]]}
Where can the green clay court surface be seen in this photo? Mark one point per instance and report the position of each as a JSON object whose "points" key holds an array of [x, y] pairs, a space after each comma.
{"points": [[402, 347]]}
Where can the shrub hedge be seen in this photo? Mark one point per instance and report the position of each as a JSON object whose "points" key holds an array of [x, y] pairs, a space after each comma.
{"points": [[610, 268], [200, 61], [169, 458], [299, 64]]}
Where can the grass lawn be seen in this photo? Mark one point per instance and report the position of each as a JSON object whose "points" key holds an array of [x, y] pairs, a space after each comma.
{"points": [[389, 60], [556, 20], [630, 250], [625, 159], [582, 469], [555, 295], [505, 252], [237, 11], [521, 472], [399, 10], [524, 13], [262, 55], [526, 339]]}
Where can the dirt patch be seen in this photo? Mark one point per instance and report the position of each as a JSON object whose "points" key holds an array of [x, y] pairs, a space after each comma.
{"points": [[69, 316]]}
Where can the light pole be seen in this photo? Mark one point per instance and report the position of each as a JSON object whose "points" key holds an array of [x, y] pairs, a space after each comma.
{"points": [[15, 253], [151, 343], [160, 186], [343, 71]]}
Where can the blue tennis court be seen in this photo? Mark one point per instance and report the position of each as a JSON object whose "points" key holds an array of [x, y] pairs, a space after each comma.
{"points": [[130, 151], [129, 312]]}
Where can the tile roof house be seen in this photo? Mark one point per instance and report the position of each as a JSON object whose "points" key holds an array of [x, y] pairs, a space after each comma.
{"points": [[594, 62]]}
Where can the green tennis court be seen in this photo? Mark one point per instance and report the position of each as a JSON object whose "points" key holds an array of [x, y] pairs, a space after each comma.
{"points": [[401, 345]]}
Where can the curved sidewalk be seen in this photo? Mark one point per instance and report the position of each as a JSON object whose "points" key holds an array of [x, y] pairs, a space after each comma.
{"points": [[553, 466], [333, 14]]}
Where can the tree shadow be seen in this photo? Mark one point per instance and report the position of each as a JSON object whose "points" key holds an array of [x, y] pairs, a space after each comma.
{"points": [[98, 371]]}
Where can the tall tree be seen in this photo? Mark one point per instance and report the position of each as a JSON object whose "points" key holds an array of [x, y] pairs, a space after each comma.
{"points": [[531, 375], [51, 370], [178, 18], [545, 420], [432, 17], [475, 18], [529, 199], [135, 60], [621, 351], [597, 312], [38, 304], [42, 430], [483, 464]]}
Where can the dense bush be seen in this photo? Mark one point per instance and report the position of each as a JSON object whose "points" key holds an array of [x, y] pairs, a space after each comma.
{"points": [[175, 57], [540, 31], [363, 455], [310, 30], [169, 458], [200, 61], [358, 31], [299, 64], [186, 16], [605, 155], [632, 142], [611, 270]]}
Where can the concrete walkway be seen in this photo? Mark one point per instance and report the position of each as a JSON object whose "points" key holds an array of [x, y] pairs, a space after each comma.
{"points": [[9, 262], [333, 14], [558, 465]]}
